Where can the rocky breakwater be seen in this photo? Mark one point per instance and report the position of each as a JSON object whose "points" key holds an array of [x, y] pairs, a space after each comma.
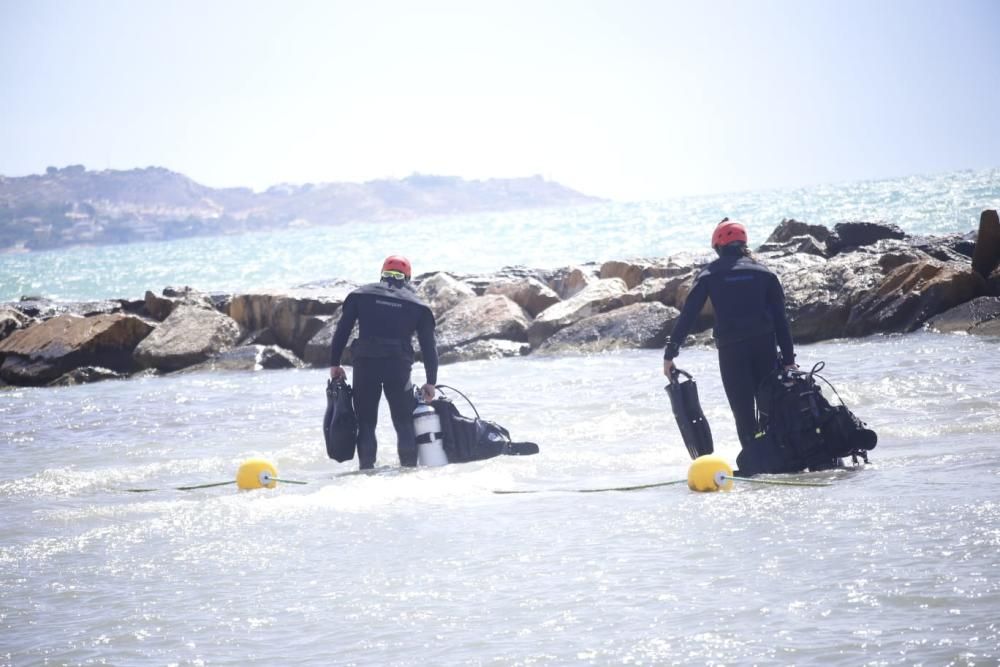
{"points": [[858, 279]]}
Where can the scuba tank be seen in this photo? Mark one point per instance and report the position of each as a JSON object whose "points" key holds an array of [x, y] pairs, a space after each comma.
{"points": [[427, 428]]}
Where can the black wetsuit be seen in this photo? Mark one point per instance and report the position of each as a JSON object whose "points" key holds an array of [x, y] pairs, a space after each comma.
{"points": [[388, 314], [750, 323]]}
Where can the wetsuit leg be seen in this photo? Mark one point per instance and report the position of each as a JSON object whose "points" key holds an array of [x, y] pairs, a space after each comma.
{"points": [[367, 393], [399, 394], [743, 366]]}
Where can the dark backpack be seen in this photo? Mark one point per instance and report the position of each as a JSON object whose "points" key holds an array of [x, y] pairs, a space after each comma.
{"points": [[800, 429], [473, 438], [340, 425]]}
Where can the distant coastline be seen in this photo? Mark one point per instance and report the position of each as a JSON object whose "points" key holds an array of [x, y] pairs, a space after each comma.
{"points": [[73, 206]]}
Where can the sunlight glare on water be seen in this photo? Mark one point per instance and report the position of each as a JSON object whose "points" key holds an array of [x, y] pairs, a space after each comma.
{"points": [[892, 564]]}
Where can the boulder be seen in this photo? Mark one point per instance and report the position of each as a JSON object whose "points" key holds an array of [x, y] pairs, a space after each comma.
{"points": [[86, 375], [43, 309], [956, 248], [820, 293], [797, 244], [248, 358], [706, 318], [481, 282], [260, 337], [294, 316], [44, 351], [188, 336], [494, 348], [988, 328], [11, 320], [317, 350], [910, 295], [986, 253], [663, 289], [481, 318], [529, 293], [852, 235], [790, 229], [598, 297], [442, 292], [160, 307], [967, 316], [641, 325], [632, 272], [571, 280]]}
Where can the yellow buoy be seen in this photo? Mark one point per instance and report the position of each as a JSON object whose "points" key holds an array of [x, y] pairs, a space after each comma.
{"points": [[708, 473], [256, 474]]}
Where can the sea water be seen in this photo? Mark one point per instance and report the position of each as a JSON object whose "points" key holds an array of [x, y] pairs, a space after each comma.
{"points": [[895, 563]]}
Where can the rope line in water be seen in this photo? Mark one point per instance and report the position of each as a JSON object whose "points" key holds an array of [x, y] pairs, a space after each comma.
{"points": [[613, 488], [208, 486], [637, 487]]}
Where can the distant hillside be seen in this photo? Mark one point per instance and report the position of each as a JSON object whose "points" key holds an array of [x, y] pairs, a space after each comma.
{"points": [[74, 206]]}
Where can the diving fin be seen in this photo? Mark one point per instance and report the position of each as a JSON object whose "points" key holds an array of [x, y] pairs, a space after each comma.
{"points": [[691, 420]]}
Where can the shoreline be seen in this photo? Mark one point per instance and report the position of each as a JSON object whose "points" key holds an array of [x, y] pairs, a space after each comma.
{"points": [[853, 281]]}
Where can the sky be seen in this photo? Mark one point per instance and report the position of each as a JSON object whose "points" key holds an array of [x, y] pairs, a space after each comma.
{"points": [[622, 99]]}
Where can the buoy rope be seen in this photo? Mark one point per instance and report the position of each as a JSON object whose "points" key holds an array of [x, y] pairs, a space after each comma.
{"points": [[209, 485], [613, 488], [777, 482]]}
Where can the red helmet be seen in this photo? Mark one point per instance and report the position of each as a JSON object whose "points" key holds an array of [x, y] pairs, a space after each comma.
{"points": [[396, 264], [727, 232]]}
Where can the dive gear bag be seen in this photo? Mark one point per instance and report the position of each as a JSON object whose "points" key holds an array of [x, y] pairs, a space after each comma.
{"points": [[800, 429], [474, 439], [340, 424], [691, 420]]}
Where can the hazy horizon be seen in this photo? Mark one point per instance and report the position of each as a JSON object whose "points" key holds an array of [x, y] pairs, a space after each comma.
{"points": [[790, 188], [630, 101]]}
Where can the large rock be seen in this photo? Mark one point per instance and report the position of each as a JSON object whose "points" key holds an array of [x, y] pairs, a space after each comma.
{"points": [[248, 358], [442, 292], [188, 336], [820, 293], [86, 375], [569, 281], [632, 272], [790, 229], [481, 282], [46, 350], [967, 316], [852, 235], [529, 293], [160, 307], [641, 325], [494, 348], [596, 298], [481, 318], [664, 290], [949, 248], [43, 309], [317, 350], [11, 320], [295, 316], [797, 244], [910, 295], [986, 253]]}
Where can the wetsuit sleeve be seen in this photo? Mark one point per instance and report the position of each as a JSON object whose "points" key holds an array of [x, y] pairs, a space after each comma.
{"points": [[776, 303], [692, 307], [428, 345], [348, 316]]}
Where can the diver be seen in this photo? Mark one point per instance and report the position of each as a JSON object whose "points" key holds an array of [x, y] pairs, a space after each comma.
{"points": [[388, 313], [750, 323]]}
